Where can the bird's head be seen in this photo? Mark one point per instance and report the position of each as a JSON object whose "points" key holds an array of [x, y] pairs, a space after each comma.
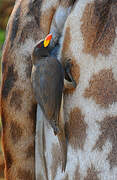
{"points": [[41, 49]]}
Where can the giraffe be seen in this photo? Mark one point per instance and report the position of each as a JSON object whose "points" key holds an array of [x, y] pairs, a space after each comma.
{"points": [[29, 22], [90, 41], [90, 111]]}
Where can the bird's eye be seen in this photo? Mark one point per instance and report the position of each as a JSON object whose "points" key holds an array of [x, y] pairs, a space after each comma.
{"points": [[39, 45]]}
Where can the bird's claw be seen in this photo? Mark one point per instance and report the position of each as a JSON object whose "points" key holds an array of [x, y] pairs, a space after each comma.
{"points": [[68, 75], [68, 64]]}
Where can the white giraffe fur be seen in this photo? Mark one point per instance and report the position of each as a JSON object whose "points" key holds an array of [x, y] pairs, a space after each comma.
{"points": [[56, 28], [93, 112]]}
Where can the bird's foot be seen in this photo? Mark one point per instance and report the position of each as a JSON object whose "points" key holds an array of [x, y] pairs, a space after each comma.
{"points": [[69, 80], [55, 128]]}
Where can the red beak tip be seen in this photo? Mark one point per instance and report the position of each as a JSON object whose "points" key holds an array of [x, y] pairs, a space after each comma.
{"points": [[49, 37]]}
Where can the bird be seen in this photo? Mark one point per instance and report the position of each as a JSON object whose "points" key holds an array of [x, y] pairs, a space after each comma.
{"points": [[47, 79]]}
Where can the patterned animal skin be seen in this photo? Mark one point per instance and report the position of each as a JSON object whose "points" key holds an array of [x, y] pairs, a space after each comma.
{"points": [[30, 21], [90, 111], [90, 40]]}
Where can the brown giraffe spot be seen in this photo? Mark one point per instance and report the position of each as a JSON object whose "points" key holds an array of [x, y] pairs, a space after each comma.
{"points": [[30, 151], [24, 175], [4, 63], [68, 3], [102, 88], [56, 160], [32, 112], [76, 129], [25, 33], [9, 81], [46, 19], [98, 27], [15, 131], [15, 25], [32, 116], [66, 177], [8, 159], [16, 100], [108, 128], [77, 174], [3, 120], [35, 10], [66, 44], [28, 69], [2, 166], [92, 174]]}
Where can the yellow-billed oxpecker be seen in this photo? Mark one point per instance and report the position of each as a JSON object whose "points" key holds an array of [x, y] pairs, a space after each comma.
{"points": [[48, 82]]}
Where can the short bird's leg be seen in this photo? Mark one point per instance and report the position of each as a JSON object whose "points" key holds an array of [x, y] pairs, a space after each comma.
{"points": [[68, 85], [69, 82], [55, 127], [62, 139]]}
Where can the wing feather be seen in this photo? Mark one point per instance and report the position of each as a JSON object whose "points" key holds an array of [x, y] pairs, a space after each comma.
{"points": [[48, 81]]}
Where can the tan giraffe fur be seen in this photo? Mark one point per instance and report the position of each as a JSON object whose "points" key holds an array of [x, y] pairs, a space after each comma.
{"points": [[30, 21], [90, 111], [90, 40], [57, 24]]}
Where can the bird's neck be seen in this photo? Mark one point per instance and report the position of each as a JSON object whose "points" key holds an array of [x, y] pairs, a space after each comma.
{"points": [[36, 60]]}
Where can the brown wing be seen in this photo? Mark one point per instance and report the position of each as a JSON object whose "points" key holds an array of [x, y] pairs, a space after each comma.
{"points": [[48, 82]]}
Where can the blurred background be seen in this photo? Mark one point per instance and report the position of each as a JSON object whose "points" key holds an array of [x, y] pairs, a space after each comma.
{"points": [[6, 7]]}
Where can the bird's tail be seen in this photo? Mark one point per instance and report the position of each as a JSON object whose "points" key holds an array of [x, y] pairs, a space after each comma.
{"points": [[60, 132], [62, 138], [63, 146]]}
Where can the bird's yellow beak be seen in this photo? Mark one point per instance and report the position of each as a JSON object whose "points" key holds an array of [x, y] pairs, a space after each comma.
{"points": [[47, 40]]}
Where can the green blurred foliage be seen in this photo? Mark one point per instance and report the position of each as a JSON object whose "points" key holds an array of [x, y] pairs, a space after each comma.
{"points": [[2, 34], [6, 7], [2, 37]]}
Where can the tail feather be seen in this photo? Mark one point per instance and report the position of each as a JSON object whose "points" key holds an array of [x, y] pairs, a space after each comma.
{"points": [[63, 146]]}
